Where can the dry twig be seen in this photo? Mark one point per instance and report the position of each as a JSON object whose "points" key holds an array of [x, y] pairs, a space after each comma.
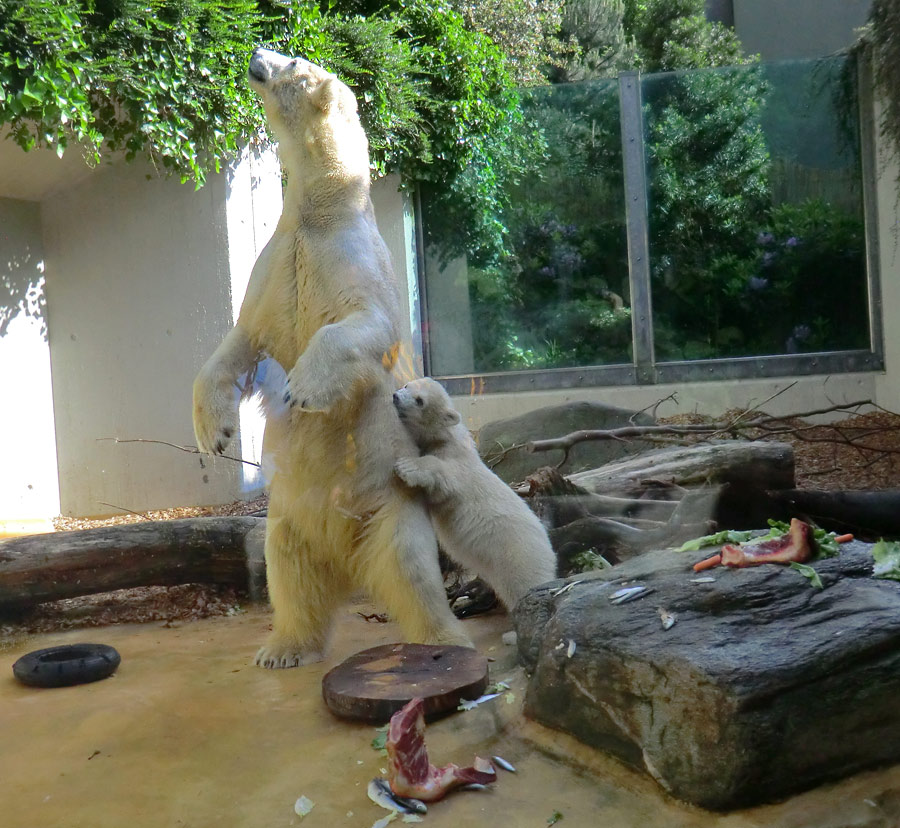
{"points": [[188, 449], [736, 427]]}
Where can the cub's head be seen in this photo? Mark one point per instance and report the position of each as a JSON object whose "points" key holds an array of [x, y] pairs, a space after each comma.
{"points": [[425, 409], [311, 112]]}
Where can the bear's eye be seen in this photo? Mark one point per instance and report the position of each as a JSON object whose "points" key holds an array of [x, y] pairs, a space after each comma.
{"points": [[420, 401]]}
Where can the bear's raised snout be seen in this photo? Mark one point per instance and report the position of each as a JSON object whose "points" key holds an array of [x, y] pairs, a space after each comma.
{"points": [[258, 69], [264, 63]]}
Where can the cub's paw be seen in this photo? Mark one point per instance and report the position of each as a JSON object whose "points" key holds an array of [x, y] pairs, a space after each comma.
{"points": [[278, 654], [215, 417], [407, 469]]}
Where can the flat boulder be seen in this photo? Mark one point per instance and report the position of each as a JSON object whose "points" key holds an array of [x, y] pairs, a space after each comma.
{"points": [[501, 442], [763, 686]]}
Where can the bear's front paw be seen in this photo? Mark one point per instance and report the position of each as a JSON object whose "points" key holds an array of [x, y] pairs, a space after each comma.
{"points": [[407, 469], [215, 418], [277, 654], [311, 391]]}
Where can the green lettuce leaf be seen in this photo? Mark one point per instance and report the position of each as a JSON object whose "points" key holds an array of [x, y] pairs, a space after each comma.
{"points": [[808, 572], [717, 539], [887, 559]]}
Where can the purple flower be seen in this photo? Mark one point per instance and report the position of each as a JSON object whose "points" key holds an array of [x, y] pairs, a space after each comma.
{"points": [[758, 283], [793, 241], [569, 260], [765, 238], [550, 226], [546, 272], [801, 333]]}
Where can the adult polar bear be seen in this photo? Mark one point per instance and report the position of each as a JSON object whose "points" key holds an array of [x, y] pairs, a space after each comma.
{"points": [[323, 302]]}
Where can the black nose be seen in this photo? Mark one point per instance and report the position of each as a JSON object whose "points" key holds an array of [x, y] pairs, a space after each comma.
{"points": [[395, 396]]}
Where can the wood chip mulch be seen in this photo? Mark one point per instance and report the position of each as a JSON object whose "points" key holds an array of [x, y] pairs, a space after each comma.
{"points": [[170, 606], [239, 507]]}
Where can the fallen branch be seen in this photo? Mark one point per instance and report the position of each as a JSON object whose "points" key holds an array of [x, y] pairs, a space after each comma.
{"points": [[215, 550], [762, 464]]}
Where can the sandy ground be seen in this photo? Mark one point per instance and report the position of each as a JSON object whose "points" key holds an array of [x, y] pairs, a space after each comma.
{"points": [[189, 733]]}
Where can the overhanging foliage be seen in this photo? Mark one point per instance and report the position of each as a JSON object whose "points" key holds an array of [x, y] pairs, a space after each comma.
{"points": [[166, 78]]}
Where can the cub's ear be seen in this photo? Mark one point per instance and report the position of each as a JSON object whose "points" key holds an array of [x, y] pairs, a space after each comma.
{"points": [[330, 93], [451, 417]]}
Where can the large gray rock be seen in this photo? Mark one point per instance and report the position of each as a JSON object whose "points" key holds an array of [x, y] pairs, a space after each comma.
{"points": [[499, 436], [763, 686]]}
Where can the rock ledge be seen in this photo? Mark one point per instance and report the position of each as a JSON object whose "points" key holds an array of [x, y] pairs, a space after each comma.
{"points": [[762, 687]]}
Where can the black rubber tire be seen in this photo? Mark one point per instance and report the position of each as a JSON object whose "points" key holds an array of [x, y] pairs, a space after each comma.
{"points": [[66, 665]]}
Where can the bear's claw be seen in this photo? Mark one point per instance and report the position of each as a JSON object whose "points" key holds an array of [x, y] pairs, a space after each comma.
{"points": [[215, 413], [275, 656]]}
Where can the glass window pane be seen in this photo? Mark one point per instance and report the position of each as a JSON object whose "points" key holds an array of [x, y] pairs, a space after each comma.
{"points": [[559, 297], [756, 221]]}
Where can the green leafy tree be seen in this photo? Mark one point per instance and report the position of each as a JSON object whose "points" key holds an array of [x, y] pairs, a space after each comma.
{"points": [[708, 179], [709, 192], [708, 164], [166, 80], [675, 34], [559, 298], [597, 29], [880, 39], [161, 78], [526, 31]]}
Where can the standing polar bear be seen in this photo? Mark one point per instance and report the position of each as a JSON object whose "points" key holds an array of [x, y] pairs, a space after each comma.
{"points": [[323, 302], [480, 521]]}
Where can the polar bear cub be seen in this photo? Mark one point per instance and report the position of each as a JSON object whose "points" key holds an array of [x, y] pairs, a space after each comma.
{"points": [[479, 521]]}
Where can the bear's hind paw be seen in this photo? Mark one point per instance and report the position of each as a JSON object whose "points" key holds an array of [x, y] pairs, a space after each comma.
{"points": [[279, 656]]}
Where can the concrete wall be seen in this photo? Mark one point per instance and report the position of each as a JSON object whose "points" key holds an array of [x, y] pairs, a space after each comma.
{"points": [[29, 490], [784, 29], [712, 398], [138, 296], [888, 386]]}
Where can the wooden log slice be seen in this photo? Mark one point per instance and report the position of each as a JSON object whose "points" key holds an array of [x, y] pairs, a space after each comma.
{"points": [[375, 683]]}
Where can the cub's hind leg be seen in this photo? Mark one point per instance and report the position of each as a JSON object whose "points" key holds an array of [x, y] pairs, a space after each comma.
{"points": [[399, 568]]}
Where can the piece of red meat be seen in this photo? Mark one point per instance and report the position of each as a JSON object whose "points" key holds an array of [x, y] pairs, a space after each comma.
{"points": [[797, 546], [411, 774]]}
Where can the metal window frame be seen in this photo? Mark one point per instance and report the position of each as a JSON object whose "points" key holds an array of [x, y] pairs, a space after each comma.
{"points": [[644, 369]]}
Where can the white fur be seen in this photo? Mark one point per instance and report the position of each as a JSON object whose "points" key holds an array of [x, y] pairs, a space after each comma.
{"points": [[479, 520], [322, 301]]}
